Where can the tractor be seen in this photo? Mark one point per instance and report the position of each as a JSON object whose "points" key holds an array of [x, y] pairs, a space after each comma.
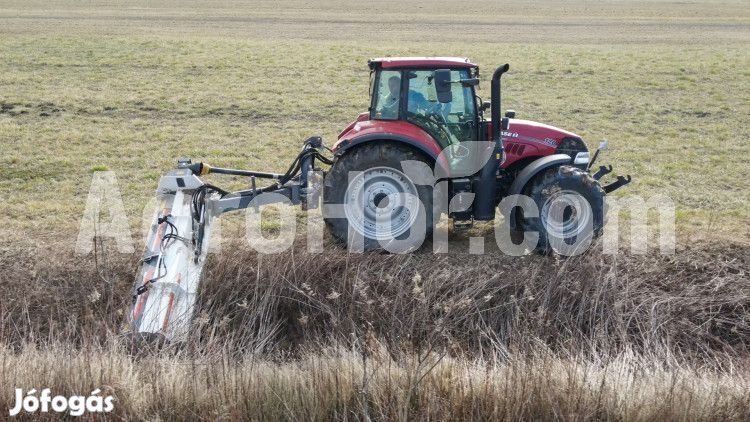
{"points": [[424, 149]]}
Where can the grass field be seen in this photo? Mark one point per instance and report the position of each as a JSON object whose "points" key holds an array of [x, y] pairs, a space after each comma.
{"points": [[130, 88]]}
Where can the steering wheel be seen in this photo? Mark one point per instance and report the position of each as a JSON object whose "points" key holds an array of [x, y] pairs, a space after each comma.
{"points": [[433, 112], [431, 121], [438, 113]]}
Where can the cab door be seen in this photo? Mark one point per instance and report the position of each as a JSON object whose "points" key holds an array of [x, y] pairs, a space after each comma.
{"points": [[449, 123]]}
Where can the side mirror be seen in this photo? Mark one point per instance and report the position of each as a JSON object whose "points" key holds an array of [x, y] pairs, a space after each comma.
{"points": [[443, 85], [511, 114], [486, 105]]}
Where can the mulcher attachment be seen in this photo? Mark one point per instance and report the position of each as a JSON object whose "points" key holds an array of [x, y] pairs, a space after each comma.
{"points": [[166, 287]]}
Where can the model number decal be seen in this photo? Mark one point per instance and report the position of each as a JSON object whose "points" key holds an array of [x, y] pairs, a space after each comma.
{"points": [[509, 134]]}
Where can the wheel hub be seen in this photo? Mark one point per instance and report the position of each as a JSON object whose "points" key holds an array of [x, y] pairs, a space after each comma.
{"points": [[566, 214], [381, 203]]}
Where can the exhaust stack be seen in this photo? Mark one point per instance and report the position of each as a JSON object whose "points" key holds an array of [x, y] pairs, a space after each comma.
{"points": [[484, 185]]}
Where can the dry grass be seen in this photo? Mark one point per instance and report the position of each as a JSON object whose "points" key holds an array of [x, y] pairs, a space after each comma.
{"points": [[692, 306], [347, 385], [336, 336]]}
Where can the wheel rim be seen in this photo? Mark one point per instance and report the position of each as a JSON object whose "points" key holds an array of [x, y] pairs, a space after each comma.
{"points": [[381, 203], [566, 214]]}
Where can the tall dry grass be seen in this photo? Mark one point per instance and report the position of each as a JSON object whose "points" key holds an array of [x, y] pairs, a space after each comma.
{"points": [[346, 385], [368, 336]]}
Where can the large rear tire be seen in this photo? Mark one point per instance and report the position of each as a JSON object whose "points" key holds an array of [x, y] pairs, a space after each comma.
{"points": [[383, 207], [571, 209]]}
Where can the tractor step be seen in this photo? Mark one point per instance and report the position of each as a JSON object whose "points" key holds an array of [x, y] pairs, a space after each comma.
{"points": [[463, 224]]}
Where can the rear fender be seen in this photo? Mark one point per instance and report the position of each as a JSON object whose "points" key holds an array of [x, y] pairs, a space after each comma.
{"points": [[430, 150], [365, 131]]}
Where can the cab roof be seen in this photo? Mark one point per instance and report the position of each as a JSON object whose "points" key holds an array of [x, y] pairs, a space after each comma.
{"points": [[431, 62]]}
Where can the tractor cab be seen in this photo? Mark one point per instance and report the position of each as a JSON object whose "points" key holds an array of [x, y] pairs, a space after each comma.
{"points": [[435, 94]]}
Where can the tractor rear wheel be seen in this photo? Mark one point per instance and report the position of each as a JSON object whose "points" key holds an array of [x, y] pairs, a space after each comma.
{"points": [[571, 209], [381, 205]]}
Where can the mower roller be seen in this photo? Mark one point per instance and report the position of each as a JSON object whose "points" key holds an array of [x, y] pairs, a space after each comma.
{"points": [[424, 113]]}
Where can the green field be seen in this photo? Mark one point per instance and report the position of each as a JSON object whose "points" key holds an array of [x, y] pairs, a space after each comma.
{"points": [[131, 89], [335, 336]]}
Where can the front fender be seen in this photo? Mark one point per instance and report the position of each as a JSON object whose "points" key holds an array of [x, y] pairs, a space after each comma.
{"points": [[534, 168]]}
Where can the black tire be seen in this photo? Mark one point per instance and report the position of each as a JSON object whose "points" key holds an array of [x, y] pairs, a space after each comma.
{"points": [[546, 190], [379, 160]]}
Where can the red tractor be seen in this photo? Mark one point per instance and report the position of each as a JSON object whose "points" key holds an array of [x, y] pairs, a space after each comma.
{"points": [[424, 149], [420, 107]]}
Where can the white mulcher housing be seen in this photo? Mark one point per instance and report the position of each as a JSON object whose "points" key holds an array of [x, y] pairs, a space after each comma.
{"points": [[169, 278], [166, 287]]}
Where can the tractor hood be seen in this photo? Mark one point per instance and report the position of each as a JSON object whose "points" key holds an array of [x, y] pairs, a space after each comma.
{"points": [[526, 130], [525, 139]]}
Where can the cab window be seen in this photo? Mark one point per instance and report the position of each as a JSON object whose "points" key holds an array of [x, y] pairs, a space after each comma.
{"points": [[449, 123], [388, 98]]}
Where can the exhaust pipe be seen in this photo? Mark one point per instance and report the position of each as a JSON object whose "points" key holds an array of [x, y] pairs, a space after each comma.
{"points": [[485, 184]]}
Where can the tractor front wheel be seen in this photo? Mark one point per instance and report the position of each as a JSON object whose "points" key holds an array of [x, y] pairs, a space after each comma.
{"points": [[380, 204], [570, 207]]}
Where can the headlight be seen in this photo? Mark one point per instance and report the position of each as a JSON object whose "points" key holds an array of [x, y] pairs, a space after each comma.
{"points": [[581, 158], [571, 146]]}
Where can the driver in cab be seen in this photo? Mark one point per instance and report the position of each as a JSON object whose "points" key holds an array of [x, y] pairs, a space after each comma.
{"points": [[389, 109], [417, 102]]}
